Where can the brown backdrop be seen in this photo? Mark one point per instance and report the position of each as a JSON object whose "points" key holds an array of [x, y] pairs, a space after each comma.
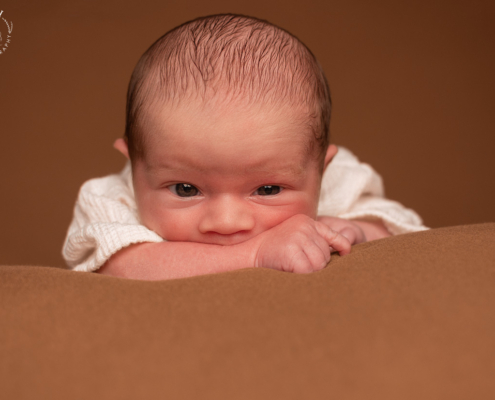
{"points": [[412, 86]]}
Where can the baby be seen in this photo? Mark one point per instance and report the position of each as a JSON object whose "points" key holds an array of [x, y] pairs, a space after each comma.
{"points": [[230, 167]]}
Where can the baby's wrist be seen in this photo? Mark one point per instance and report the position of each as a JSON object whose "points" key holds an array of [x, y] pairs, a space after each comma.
{"points": [[247, 252]]}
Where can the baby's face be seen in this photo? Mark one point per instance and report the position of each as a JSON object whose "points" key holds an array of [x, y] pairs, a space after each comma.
{"points": [[224, 175]]}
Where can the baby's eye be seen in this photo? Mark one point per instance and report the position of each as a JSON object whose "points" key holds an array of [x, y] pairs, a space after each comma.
{"points": [[184, 190], [268, 190]]}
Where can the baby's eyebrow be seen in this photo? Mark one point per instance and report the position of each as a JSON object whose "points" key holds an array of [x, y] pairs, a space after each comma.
{"points": [[292, 169]]}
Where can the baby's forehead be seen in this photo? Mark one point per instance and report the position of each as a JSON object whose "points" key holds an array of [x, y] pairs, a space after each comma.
{"points": [[242, 125], [218, 109]]}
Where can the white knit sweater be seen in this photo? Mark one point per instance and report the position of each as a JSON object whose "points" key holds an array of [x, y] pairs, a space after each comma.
{"points": [[106, 219]]}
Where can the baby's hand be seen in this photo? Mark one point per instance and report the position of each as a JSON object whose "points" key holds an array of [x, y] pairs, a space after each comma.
{"points": [[346, 228], [299, 244]]}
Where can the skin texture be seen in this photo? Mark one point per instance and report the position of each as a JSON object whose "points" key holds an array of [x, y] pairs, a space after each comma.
{"points": [[252, 200], [227, 155]]}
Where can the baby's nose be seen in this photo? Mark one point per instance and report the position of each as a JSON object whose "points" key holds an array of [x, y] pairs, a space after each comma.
{"points": [[227, 215]]}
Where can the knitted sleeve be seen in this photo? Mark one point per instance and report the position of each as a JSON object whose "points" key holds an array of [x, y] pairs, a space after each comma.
{"points": [[105, 221], [351, 190]]}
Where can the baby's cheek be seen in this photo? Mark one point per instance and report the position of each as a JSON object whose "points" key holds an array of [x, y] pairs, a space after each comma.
{"points": [[152, 222], [155, 215], [151, 216], [178, 225], [273, 217]]}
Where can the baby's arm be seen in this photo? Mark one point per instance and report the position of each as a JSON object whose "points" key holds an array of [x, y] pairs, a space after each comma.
{"points": [[353, 192], [171, 260], [299, 245]]}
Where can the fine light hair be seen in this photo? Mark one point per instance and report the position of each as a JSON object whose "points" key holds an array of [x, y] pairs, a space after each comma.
{"points": [[241, 57]]}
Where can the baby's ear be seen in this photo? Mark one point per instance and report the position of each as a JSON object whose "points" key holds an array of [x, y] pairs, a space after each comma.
{"points": [[121, 145], [331, 151]]}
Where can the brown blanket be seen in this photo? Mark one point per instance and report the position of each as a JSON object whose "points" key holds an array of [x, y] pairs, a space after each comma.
{"points": [[407, 317]]}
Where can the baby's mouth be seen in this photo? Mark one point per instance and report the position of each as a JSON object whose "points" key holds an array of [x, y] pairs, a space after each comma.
{"points": [[225, 240]]}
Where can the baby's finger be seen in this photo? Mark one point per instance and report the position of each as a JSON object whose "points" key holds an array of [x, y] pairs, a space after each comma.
{"points": [[300, 264], [316, 256], [350, 234], [323, 246], [334, 239]]}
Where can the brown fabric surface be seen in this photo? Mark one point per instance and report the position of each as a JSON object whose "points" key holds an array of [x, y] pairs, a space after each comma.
{"points": [[407, 317]]}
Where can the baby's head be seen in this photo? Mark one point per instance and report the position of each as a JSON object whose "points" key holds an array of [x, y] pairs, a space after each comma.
{"points": [[227, 130]]}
